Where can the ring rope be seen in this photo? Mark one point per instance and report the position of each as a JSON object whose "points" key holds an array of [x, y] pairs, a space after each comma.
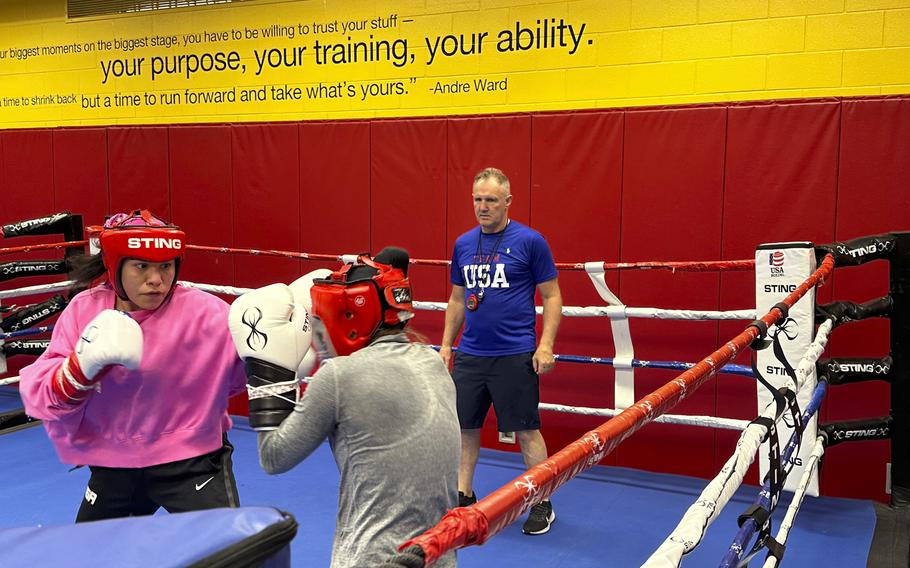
{"points": [[683, 419], [692, 527], [686, 420], [217, 289], [729, 369], [693, 266], [475, 524], [786, 524], [269, 252], [37, 289], [568, 311], [571, 311], [26, 332], [673, 266], [623, 361], [749, 527], [48, 246], [618, 312]]}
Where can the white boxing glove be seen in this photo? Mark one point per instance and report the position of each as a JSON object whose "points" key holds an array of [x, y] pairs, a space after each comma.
{"points": [[268, 325], [301, 289], [271, 332], [307, 365], [111, 338]]}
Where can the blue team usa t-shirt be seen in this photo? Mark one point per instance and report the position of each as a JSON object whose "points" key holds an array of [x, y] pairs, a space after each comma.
{"points": [[508, 266]]}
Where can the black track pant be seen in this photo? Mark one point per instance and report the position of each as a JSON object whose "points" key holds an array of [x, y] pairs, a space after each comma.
{"points": [[203, 482]]}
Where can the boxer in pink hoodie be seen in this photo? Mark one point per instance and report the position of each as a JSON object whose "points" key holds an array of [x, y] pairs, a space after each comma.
{"points": [[136, 380]]}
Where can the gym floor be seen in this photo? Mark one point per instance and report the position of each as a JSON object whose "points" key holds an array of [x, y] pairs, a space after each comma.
{"points": [[608, 516]]}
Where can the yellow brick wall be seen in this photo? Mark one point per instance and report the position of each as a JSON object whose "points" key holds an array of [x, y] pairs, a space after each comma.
{"points": [[633, 52]]}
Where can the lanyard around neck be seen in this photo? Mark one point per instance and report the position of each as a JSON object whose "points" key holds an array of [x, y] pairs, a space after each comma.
{"points": [[495, 245]]}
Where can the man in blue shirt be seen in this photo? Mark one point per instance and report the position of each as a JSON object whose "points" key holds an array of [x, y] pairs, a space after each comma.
{"points": [[495, 272]]}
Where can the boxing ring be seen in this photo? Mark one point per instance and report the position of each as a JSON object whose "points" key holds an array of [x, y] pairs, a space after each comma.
{"points": [[606, 513], [645, 518]]}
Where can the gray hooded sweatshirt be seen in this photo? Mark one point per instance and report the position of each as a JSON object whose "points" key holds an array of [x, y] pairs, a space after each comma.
{"points": [[388, 411]]}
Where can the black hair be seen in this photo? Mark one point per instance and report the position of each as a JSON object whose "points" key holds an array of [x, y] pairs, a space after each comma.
{"points": [[392, 256], [84, 270], [395, 257]]}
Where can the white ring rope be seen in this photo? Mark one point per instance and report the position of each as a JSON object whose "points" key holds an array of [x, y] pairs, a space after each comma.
{"points": [[617, 312], [215, 289], [703, 421], [806, 366], [38, 289], [613, 312], [686, 420], [784, 531], [691, 528]]}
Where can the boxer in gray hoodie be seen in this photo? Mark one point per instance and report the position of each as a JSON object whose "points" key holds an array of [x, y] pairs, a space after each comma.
{"points": [[385, 402]]}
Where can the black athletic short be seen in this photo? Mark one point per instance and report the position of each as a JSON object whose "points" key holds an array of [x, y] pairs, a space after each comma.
{"points": [[204, 482], [508, 382]]}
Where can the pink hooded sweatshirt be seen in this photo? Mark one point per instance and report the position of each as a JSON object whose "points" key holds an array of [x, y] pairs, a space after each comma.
{"points": [[173, 407]]}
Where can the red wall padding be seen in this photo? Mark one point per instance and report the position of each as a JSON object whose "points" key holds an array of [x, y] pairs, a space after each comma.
{"points": [[334, 189], [81, 173], [873, 197], [678, 183], [780, 158], [138, 169], [672, 206], [27, 177], [27, 190], [202, 197], [407, 161], [476, 143], [27, 185], [266, 203], [577, 174]]}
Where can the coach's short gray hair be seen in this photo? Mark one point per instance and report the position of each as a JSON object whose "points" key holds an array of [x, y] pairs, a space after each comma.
{"points": [[494, 173]]}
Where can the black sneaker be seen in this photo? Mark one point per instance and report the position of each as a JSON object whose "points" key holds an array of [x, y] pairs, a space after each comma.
{"points": [[465, 501], [540, 519]]}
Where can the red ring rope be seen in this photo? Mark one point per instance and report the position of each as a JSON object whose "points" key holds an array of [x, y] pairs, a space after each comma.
{"points": [[477, 523], [687, 266]]}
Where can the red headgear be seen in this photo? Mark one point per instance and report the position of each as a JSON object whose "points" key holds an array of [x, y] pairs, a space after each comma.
{"points": [[138, 235], [358, 299]]}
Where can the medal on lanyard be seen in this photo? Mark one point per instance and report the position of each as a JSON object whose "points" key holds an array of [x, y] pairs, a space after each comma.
{"points": [[474, 300]]}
